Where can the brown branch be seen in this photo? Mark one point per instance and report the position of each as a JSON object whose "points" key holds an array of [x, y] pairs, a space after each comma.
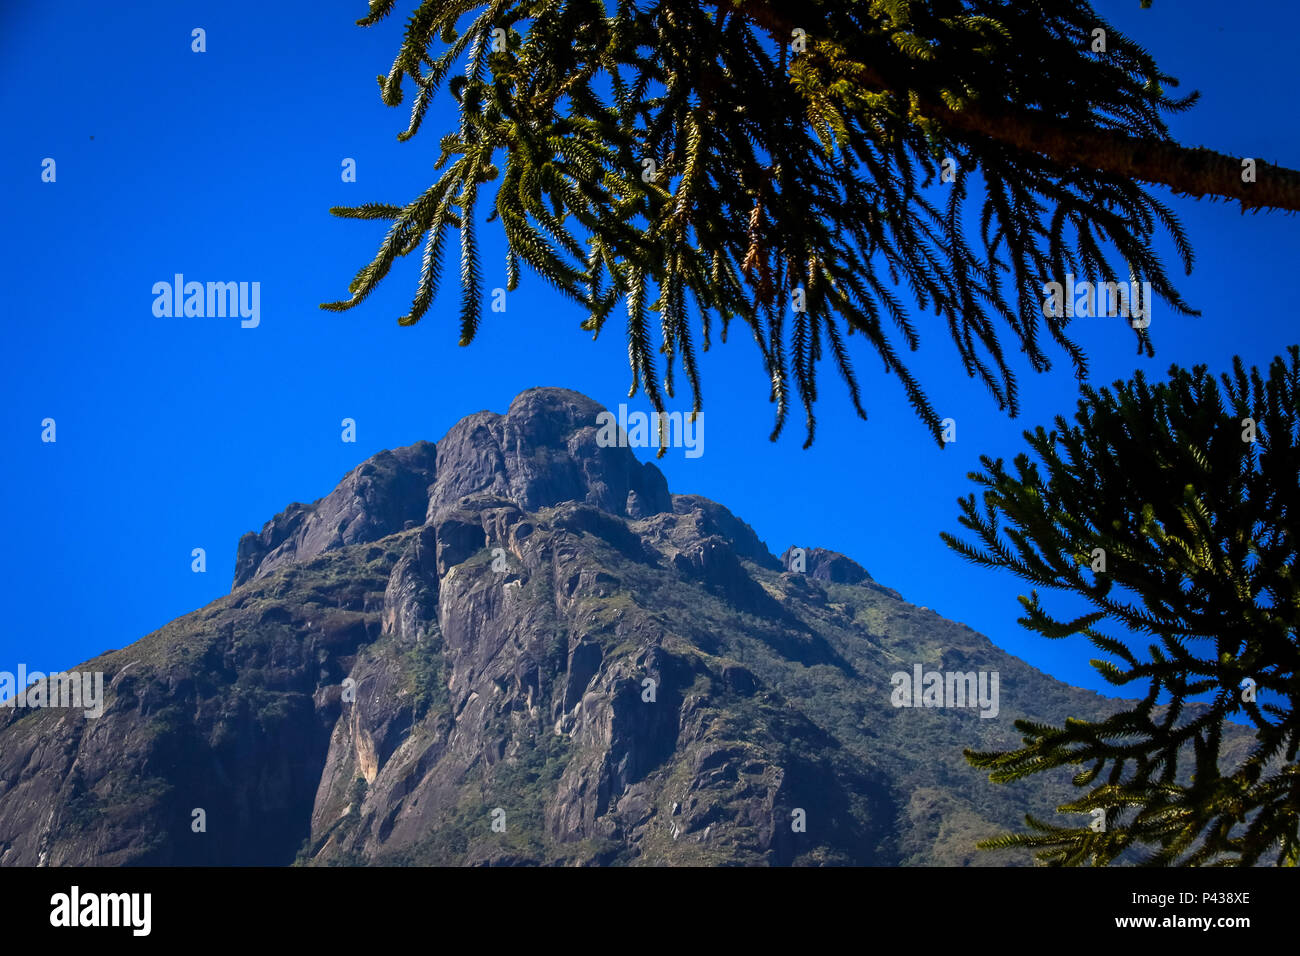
{"points": [[1191, 171]]}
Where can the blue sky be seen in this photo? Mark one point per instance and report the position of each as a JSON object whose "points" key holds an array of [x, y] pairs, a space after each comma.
{"points": [[176, 433]]}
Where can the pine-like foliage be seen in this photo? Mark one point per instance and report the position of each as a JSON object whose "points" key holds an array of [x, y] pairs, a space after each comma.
{"points": [[780, 162], [1198, 527]]}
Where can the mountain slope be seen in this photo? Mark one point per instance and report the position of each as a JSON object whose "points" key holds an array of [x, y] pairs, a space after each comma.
{"points": [[517, 646]]}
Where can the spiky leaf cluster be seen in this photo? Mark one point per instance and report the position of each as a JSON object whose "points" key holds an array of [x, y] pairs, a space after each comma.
{"points": [[778, 163], [1190, 494]]}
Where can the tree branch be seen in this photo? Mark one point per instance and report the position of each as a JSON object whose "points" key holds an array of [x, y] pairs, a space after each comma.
{"points": [[1191, 171]]}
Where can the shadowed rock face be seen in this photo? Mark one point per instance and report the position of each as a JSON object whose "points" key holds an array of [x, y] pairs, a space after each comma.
{"points": [[830, 566], [518, 627]]}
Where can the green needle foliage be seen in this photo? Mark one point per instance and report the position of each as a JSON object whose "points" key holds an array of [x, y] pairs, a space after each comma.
{"points": [[1174, 512], [781, 163]]}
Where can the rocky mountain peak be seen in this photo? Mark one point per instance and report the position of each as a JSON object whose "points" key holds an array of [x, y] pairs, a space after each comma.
{"points": [[540, 453], [382, 495]]}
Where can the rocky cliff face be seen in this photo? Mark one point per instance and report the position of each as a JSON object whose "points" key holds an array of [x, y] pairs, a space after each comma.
{"points": [[518, 647]]}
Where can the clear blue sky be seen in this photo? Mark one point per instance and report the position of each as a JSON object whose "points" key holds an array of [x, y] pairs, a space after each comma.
{"points": [[178, 433]]}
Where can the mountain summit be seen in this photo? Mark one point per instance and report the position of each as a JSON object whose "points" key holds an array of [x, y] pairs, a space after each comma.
{"points": [[517, 647]]}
